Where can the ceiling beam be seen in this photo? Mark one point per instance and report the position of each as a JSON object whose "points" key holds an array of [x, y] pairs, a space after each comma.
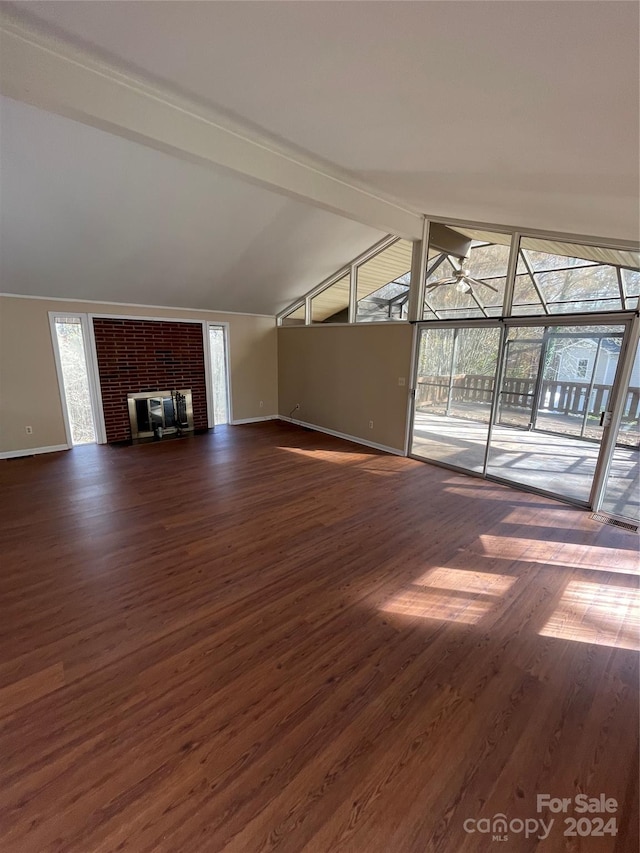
{"points": [[57, 77]]}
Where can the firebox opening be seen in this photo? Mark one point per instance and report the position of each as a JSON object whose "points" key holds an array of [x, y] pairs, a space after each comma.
{"points": [[156, 414]]}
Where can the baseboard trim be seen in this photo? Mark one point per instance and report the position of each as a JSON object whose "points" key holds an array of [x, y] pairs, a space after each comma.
{"points": [[33, 451], [352, 438], [254, 420]]}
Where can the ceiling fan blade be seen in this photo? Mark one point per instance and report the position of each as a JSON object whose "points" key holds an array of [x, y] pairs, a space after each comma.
{"points": [[483, 283], [441, 281]]}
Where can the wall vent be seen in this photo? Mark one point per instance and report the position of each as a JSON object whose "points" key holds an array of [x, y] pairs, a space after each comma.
{"points": [[607, 519]]}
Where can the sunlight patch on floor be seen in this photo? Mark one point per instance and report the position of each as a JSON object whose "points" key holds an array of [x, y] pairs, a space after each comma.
{"points": [[329, 455], [442, 606], [451, 595], [622, 559], [369, 461], [599, 614], [525, 517], [462, 580]]}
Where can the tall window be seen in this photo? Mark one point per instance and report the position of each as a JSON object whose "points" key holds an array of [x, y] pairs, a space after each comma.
{"points": [[219, 374], [75, 379]]}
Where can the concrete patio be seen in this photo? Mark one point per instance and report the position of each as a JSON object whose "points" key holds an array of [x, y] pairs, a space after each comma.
{"points": [[559, 464]]}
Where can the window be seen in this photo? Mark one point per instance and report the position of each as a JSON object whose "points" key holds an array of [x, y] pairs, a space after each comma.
{"points": [[331, 305], [382, 284], [295, 317], [583, 364], [631, 287], [563, 278], [466, 273], [76, 393], [466, 278], [219, 374]]}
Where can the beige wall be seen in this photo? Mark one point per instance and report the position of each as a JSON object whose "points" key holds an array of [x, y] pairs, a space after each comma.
{"points": [[29, 392], [345, 376]]}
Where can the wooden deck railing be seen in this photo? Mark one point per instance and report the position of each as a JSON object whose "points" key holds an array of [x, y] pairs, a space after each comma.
{"points": [[565, 398]]}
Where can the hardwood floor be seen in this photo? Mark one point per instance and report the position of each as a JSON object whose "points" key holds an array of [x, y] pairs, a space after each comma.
{"points": [[270, 639]]}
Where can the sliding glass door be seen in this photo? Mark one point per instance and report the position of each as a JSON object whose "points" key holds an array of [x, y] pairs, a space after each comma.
{"points": [[526, 404], [556, 384], [454, 395]]}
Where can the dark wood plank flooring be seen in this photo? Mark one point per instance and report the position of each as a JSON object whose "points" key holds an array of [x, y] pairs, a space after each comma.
{"points": [[270, 639]]}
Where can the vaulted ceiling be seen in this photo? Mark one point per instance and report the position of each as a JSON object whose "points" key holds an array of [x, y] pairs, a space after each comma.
{"points": [[512, 113], [87, 214]]}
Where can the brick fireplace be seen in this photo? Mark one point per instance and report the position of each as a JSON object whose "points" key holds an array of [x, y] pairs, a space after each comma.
{"points": [[147, 355]]}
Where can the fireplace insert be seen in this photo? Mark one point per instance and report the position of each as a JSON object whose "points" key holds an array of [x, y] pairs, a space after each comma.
{"points": [[154, 414]]}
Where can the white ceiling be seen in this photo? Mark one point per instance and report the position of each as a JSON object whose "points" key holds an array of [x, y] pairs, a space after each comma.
{"points": [[86, 214], [522, 113]]}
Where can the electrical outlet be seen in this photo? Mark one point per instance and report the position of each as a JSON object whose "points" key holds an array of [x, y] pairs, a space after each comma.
{"points": [[261, 403], [401, 380], [370, 424], [28, 430]]}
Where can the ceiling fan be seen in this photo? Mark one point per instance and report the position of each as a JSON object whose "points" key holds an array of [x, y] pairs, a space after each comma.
{"points": [[461, 278]]}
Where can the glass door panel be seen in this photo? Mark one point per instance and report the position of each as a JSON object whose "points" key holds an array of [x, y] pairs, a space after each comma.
{"points": [[454, 395], [577, 378], [622, 493], [556, 382], [523, 351]]}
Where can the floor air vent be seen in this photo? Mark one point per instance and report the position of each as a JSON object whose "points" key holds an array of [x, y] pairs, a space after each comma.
{"points": [[607, 519]]}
